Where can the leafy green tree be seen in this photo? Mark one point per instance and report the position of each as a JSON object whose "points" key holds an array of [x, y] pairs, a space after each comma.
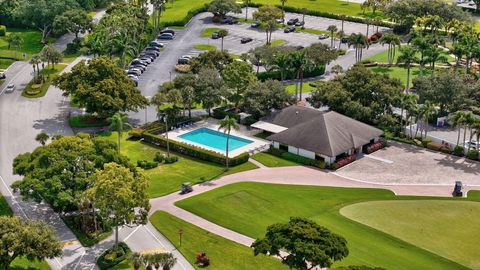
{"points": [[75, 21], [209, 88], [212, 59], [35, 61], [222, 34], [42, 138], [436, 54], [406, 101], [32, 239], [14, 40], [158, 7], [58, 173], [220, 8], [281, 62], [120, 195], [119, 124], [101, 87], [261, 97], [407, 58], [41, 14], [458, 120], [337, 69], [227, 124], [237, 77], [332, 29], [268, 15], [136, 260], [306, 243]]}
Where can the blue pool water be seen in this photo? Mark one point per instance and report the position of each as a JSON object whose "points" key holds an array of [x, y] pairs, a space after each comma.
{"points": [[214, 139]]}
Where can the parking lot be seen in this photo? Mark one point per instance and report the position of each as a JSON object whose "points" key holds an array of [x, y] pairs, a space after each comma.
{"points": [[408, 164]]}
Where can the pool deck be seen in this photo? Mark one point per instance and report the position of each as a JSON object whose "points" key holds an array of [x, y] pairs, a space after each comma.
{"points": [[211, 123]]}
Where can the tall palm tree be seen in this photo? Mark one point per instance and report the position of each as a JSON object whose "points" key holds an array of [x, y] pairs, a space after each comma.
{"points": [[222, 34], [428, 108], [359, 42], [332, 29], [476, 127], [300, 62], [283, 9], [282, 63], [406, 101], [14, 40], [247, 3], [42, 138], [457, 119], [392, 40], [436, 54], [227, 124], [118, 123], [167, 260], [136, 259], [469, 119], [458, 50], [407, 58], [340, 35], [422, 45]]}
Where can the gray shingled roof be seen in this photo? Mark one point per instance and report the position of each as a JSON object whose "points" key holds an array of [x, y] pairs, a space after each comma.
{"points": [[328, 133], [291, 116]]}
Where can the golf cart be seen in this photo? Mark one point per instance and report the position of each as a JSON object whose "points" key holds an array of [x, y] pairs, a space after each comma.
{"points": [[186, 188]]}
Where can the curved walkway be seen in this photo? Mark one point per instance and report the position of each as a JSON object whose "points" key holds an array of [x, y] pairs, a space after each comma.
{"points": [[297, 175]]}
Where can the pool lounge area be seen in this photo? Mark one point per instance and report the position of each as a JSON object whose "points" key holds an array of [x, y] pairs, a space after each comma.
{"points": [[205, 134]]}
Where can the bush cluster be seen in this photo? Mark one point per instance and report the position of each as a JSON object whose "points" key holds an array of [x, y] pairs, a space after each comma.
{"points": [[147, 165], [296, 158], [220, 113], [193, 151], [458, 151], [473, 154], [3, 30], [275, 75], [113, 256], [202, 259], [343, 162]]}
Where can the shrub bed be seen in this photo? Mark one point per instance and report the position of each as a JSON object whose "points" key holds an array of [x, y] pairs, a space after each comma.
{"points": [[194, 151], [113, 256], [343, 162], [374, 147], [458, 151], [473, 154], [147, 165], [296, 158]]}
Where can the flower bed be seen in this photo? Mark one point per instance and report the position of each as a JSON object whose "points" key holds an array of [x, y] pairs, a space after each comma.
{"points": [[343, 162], [374, 147]]}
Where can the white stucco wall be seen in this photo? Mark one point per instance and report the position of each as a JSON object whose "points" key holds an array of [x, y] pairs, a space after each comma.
{"points": [[306, 153], [293, 149], [276, 145]]}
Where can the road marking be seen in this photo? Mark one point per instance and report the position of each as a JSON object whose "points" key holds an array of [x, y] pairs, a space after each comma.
{"points": [[14, 200], [379, 159], [158, 240], [14, 77], [80, 260], [128, 236]]}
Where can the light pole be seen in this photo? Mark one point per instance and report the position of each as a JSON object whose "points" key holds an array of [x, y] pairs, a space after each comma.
{"points": [[166, 134]]}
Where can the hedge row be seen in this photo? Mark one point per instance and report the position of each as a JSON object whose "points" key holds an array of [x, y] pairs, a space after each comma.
{"points": [[275, 75], [296, 158], [194, 151]]}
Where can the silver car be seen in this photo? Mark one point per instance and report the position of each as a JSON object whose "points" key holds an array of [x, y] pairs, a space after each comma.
{"points": [[10, 88]]}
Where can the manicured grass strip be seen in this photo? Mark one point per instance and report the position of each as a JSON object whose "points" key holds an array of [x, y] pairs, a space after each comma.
{"points": [[4, 208], [31, 43], [209, 31], [436, 226], [278, 42], [306, 88], [331, 6], [270, 160], [223, 253], [205, 47], [83, 121], [249, 208], [5, 63], [401, 73], [382, 57], [167, 178], [42, 91]]}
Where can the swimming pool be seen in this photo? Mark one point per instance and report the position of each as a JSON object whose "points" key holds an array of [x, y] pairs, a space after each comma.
{"points": [[214, 139]]}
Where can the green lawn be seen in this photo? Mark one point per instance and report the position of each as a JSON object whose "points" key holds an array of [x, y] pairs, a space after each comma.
{"points": [[436, 226], [401, 73], [382, 57], [5, 63], [278, 42], [83, 121], [330, 6], [249, 208], [51, 74], [207, 32], [31, 43], [270, 160], [306, 88], [178, 9], [223, 253], [21, 263], [167, 178], [205, 47]]}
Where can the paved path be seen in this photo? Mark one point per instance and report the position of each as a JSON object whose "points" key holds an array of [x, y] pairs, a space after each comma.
{"points": [[297, 175]]}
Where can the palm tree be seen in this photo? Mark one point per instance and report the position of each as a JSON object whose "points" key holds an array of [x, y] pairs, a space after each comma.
{"points": [[118, 123], [428, 109], [421, 44], [457, 119], [222, 34], [246, 2], [434, 55], [14, 40], [136, 259], [340, 35], [406, 101], [35, 62], [392, 40], [227, 124], [458, 50], [332, 29], [300, 63], [476, 126], [282, 63], [283, 9], [408, 57], [42, 138], [359, 42], [167, 261]]}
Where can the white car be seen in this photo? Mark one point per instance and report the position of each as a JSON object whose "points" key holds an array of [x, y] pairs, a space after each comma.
{"points": [[10, 88], [472, 144]]}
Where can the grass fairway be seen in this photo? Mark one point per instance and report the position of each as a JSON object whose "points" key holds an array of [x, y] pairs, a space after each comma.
{"points": [[31, 43], [331, 6], [223, 253], [401, 73], [167, 178], [383, 56], [20, 263], [178, 9], [5, 63], [270, 160], [249, 208], [306, 88], [437, 226]]}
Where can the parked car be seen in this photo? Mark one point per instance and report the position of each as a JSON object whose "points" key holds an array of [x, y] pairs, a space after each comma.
{"points": [[145, 56], [187, 57], [215, 35], [323, 36], [146, 60], [300, 23], [255, 24], [344, 40], [136, 69], [151, 52], [133, 77], [2, 75], [138, 61], [168, 31], [165, 36], [458, 189], [140, 67], [183, 61], [289, 29], [279, 20], [246, 40], [186, 188], [152, 49], [157, 44], [10, 88], [472, 144], [228, 20], [135, 72], [299, 47], [293, 21]]}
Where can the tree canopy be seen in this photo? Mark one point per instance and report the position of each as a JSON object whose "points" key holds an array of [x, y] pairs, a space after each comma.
{"points": [[261, 97], [101, 87], [220, 8], [307, 244], [75, 21], [32, 239], [60, 171]]}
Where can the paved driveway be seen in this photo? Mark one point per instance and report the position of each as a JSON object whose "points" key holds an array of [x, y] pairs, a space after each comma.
{"points": [[408, 164]]}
